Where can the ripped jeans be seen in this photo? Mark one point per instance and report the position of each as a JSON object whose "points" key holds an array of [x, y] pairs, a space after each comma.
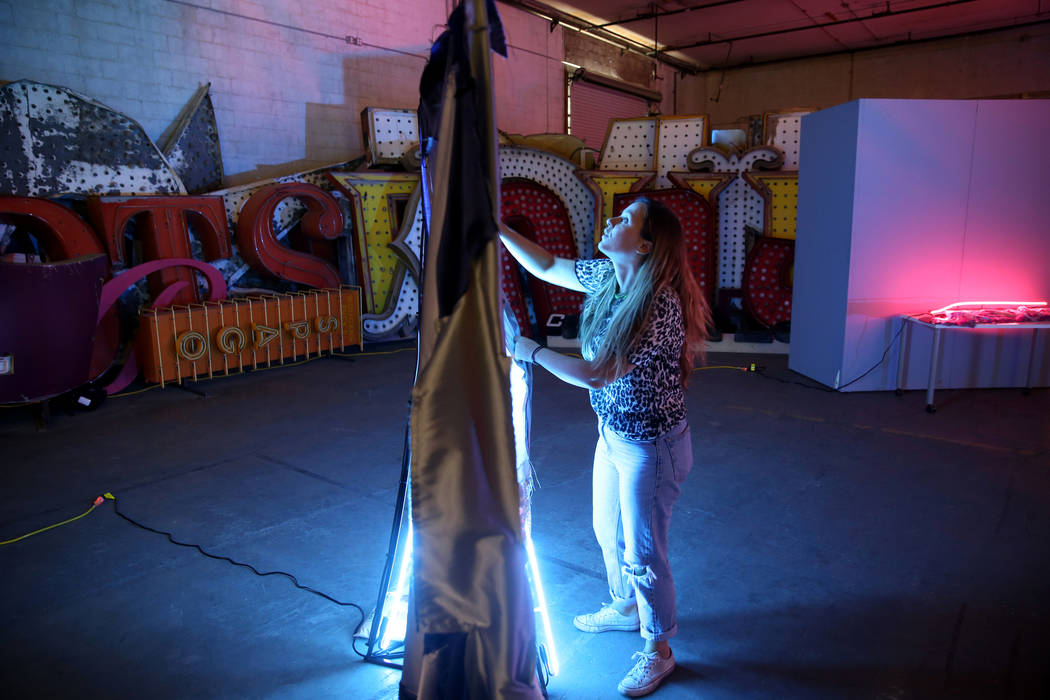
{"points": [[636, 483]]}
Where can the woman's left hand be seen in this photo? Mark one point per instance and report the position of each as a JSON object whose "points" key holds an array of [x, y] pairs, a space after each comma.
{"points": [[523, 348]]}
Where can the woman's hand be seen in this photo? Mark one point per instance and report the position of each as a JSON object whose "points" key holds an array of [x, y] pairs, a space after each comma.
{"points": [[523, 348], [538, 261], [574, 370]]}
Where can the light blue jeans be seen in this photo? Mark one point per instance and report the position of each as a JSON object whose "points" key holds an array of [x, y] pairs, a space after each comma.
{"points": [[636, 483]]}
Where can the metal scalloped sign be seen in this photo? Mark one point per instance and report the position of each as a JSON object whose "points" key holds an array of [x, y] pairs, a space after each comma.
{"points": [[193, 147], [54, 141]]}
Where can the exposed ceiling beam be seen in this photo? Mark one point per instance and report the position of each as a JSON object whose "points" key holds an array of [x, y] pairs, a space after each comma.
{"points": [[810, 27], [556, 17], [667, 13]]}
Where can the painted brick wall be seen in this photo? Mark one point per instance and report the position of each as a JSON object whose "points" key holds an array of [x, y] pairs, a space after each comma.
{"points": [[530, 82], [287, 87]]}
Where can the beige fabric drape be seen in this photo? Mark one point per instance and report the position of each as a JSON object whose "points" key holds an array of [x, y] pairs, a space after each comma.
{"points": [[471, 632]]}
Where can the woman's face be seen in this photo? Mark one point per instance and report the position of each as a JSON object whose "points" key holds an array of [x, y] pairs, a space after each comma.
{"points": [[623, 233]]}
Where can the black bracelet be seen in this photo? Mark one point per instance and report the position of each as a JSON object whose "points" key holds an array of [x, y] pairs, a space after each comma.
{"points": [[532, 357]]}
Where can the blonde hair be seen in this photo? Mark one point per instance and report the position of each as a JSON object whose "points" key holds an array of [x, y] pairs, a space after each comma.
{"points": [[664, 266]]}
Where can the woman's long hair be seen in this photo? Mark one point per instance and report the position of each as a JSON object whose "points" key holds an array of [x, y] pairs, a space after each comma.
{"points": [[664, 266]]}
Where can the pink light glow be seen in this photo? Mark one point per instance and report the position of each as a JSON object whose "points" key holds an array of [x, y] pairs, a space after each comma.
{"points": [[961, 305]]}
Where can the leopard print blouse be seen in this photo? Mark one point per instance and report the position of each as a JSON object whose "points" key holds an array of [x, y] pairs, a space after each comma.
{"points": [[648, 401]]}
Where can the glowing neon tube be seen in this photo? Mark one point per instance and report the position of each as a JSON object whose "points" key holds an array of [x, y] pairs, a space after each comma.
{"points": [[541, 606], [395, 611], [397, 600], [958, 306]]}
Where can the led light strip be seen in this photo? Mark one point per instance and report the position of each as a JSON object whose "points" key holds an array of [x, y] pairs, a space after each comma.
{"points": [[397, 602], [541, 607], [395, 612]]}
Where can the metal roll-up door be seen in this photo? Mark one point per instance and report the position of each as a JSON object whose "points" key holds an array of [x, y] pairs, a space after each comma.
{"points": [[592, 106]]}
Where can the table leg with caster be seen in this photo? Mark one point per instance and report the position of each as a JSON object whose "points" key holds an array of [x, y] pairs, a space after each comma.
{"points": [[930, 386], [900, 358], [1031, 362]]}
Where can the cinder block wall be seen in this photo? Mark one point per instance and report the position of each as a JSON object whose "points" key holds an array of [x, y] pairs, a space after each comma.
{"points": [[287, 86]]}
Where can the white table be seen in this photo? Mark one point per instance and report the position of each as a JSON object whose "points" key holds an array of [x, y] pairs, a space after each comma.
{"points": [[938, 329]]}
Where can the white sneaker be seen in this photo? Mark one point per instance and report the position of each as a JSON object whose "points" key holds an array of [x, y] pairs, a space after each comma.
{"points": [[647, 674], [607, 619]]}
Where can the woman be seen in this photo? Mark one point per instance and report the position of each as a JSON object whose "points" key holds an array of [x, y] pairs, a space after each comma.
{"points": [[643, 321]]}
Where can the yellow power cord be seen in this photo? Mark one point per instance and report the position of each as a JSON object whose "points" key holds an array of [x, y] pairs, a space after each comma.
{"points": [[110, 496], [96, 504]]}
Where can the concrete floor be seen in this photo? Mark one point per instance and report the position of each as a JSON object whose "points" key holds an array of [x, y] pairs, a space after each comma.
{"points": [[826, 545]]}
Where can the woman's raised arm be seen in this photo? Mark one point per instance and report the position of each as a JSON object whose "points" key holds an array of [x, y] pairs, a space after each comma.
{"points": [[540, 262]]}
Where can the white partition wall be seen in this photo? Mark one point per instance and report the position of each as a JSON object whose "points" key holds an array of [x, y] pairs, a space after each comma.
{"points": [[822, 243], [908, 205]]}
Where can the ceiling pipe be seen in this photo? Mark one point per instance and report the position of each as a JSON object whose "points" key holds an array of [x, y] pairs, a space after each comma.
{"points": [[811, 27], [890, 45]]}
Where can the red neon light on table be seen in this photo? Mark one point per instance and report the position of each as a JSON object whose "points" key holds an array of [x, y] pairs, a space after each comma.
{"points": [[958, 306], [1001, 315]]}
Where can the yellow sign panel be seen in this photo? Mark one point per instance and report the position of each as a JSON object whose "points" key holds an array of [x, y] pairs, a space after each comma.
{"points": [[609, 184], [375, 227], [781, 194]]}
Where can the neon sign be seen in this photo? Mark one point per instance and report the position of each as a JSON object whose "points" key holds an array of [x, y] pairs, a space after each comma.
{"points": [[189, 342]]}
